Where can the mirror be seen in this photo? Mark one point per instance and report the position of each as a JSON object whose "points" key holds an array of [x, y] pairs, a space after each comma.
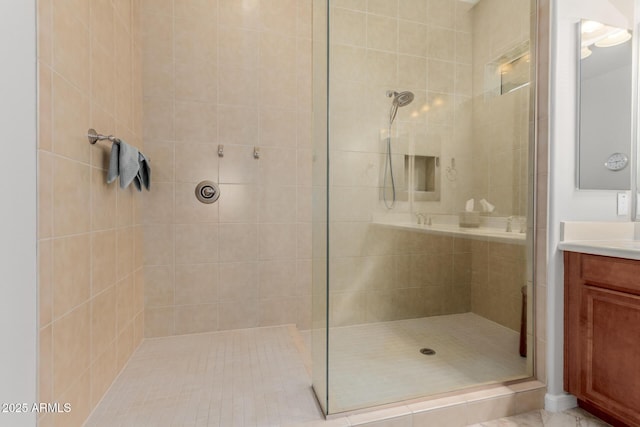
{"points": [[605, 107]]}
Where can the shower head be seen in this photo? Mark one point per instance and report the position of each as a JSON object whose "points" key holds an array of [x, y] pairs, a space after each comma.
{"points": [[400, 99]]}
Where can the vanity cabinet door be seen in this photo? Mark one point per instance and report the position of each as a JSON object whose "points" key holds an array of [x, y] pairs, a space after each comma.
{"points": [[602, 338]]}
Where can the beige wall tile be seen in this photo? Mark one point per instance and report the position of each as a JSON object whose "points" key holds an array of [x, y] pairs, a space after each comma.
{"points": [[196, 162], [277, 279], [383, 7], [45, 194], [103, 264], [234, 14], [412, 39], [45, 282], [124, 249], [103, 78], [71, 46], [45, 30], [196, 81], [158, 205], [196, 243], [71, 273], [238, 314], [188, 209], [238, 125], [161, 154], [195, 122], [238, 46], [102, 17], [158, 118], [78, 395], [278, 311], [277, 128], [350, 27], [71, 336], [103, 201], [277, 241], [382, 33], [275, 204], [239, 166], [124, 346], [196, 284], [237, 86], [159, 244], [71, 192], [238, 242], [238, 203], [103, 371], [45, 94], [45, 365], [238, 280], [158, 322], [70, 113], [196, 318], [103, 323], [159, 286], [124, 305]]}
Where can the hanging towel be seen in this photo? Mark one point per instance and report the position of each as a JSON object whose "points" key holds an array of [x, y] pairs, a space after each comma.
{"points": [[124, 163], [144, 173]]}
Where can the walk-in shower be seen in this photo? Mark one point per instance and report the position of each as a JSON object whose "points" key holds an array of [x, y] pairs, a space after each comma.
{"points": [[422, 224], [401, 99]]}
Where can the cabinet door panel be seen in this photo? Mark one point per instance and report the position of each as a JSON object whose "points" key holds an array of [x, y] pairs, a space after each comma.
{"points": [[610, 334], [613, 273]]}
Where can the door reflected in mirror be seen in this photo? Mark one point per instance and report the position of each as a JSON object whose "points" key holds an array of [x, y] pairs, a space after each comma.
{"points": [[605, 107]]}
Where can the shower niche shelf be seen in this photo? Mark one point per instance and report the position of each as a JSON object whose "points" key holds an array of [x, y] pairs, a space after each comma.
{"points": [[421, 177]]}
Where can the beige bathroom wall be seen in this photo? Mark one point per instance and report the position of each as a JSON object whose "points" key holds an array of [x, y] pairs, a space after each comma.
{"points": [[236, 74], [89, 233]]}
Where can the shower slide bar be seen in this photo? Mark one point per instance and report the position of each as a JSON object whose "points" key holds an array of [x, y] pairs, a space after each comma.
{"points": [[94, 137]]}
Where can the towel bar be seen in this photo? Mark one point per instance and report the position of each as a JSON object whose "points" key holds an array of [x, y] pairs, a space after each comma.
{"points": [[94, 137]]}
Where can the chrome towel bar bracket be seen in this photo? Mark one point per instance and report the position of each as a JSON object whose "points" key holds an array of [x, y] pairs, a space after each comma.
{"points": [[94, 137]]}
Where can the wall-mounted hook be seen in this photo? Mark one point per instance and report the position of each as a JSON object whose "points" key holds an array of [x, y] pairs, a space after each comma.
{"points": [[256, 152], [220, 150]]}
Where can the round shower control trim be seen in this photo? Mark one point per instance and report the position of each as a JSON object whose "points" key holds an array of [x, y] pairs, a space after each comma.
{"points": [[207, 192]]}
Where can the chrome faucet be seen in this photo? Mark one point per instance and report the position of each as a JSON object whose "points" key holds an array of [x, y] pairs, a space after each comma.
{"points": [[421, 218], [509, 224]]}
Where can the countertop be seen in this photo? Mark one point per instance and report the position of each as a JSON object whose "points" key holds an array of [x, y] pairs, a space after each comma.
{"points": [[614, 239]]}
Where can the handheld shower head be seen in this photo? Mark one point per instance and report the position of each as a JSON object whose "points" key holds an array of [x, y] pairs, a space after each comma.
{"points": [[400, 99]]}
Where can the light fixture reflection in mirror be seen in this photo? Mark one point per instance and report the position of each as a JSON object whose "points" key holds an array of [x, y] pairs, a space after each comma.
{"points": [[597, 34]]}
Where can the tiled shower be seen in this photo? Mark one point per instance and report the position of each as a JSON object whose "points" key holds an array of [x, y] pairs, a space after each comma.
{"points": [[202, 86]]}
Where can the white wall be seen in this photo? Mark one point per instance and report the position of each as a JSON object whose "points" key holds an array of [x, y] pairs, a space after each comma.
{"points": [[18, 296], [565, 202]]}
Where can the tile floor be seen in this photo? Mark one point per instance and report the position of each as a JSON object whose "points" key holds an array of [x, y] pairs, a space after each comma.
{"points": [[250, 377], [378, 363], [571, 418], [246, 378]]}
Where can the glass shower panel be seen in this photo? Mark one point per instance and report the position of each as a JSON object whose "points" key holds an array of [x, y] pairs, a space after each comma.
{"points": [[429, 198]]}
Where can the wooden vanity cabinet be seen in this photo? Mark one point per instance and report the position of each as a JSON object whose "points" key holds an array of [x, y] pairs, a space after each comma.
{"points": [[602, 335]]}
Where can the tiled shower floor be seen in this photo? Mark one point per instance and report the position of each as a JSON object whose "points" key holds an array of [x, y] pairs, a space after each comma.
{"points": [[377, 363], [257, 377], [250, 377]]}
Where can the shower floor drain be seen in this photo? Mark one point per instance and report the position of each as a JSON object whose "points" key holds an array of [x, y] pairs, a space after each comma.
{"points": [[427, 351]]}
